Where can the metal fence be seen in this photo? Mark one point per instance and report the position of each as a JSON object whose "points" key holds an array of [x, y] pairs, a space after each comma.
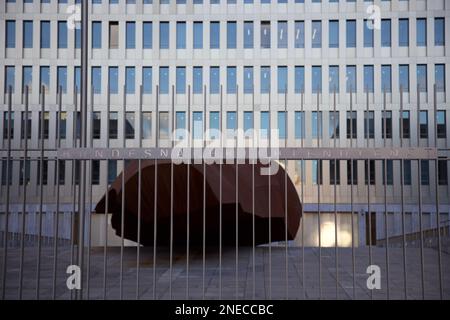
{"points": [[48, 227]]}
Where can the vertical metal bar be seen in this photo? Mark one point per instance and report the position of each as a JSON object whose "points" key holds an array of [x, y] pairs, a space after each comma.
{"points": [[385, 198], [285, 196], [155, 208], [41, 195], [319, 163], [74, 184], [369, 213], [336, 164], [204, 196], [254, 146], [419, 176], [138, 248], [302, 164], [436, 185], [270, 198], [105, 247], [402, 197], [25, 182], [188, 191], [220, 192], [122, 212], [171, 196], [351, 202], [237, 198]]}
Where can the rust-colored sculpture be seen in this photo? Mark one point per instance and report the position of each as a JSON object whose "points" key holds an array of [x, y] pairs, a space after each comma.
{"points": [[193, 206]]}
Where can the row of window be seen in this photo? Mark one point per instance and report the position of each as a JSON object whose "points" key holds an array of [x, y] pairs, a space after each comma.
{"points": [[231, 34], [247, 83], [351, 124], [316, 172]]}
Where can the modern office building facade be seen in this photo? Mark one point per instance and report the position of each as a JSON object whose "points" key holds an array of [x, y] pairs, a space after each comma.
{"points": [[326, 74]]}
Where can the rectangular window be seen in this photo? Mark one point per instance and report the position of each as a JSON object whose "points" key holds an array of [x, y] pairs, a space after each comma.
{"points": [[44, 130], [180, 125], [265, 79], [197, 80], [299, 124], [333, 34], [62, 125], [352, 172], [197, 125], [368, 79], [147, 75], [405, 123], [181, 80], [316, 79], [369, 171], [62, 34], [214, 124], [389, 171], [28, 34], [299, 79], [368, 34], [281, 125], [130, 35], [423, 124], [164, 39], [439, 31], [96, 79], [404, 77], [62, 172], [26, 125], [27, 78], [231, 79], [439, 77], [113, 80], [248, 79], [248, 123], [130, 80], [387, 118], [146, 125], [421, 32], [181, 35], [403, 32], [282, 79], [333, 124], [425, 172], [44, 172], [316, 124], [265, 34], [77, 79], [163, 80], [422, 77], [442, 173], [335, 172], [317, 172], [113, 125], [333, 79], [265, 125], [214, 35], [248, 34], [441, 121], [129, 125], [282, 34], [316, 34], [351, 79], [62, 79], [10, 78], [198, 35], [44, 78], [369, 125], [147, 35], [8, 123], [77, 32], [385, 32], [97, 34], [95, 172], [351, 125], [386, 78], [299, 34], [214, 80], [231, 34], [113, 35], [96, 122], [407, 172], [11, 34], [45, 34], [231, 124], [351, 33], [112, 170]]}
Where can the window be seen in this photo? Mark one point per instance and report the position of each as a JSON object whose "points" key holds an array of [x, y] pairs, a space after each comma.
{"points": [[113, 35], [316, 124], [130, 35], [95, 172], [248, 123], [317, 172], [439, 77], [163, 80], [299, 34], [231, 34], [214, 80], [96, 75], [316, 34], [113, 79], [180, 80], [8, 122], [351, 125], [299, 124], [45, 34], [405, 124], [62, 34], [27, 78], [77, 32], [265, 125], [214, 35], [44, 78], [351, 33], [404, 77], [265, 79], [282, 125], [424, 172], [299, 79], [198, 35], [368, 79], [130, 80], [351, 78], [180, 125], [265, 34], [112, 170], [231, 79], [421, 32], [352, 172], [44, 172], [442, 172], [282, 34], [113, 125], [147, 75], [248, 79], [97, 34], [197, 80], [147, 35], [369, 125], [97, 120], [231, 124], [369, 171], [62, 124], [181, 35], [248, 34], [387, 118], [164, 35], [45, 129], [316, 79], [386, 78], [333, 79], [368, 35], [197, 125], [422, 77], [26, 125], [62, 79], [129, 125], [403, 32], [10, 78], [333, 33], [441, 124], [423, 122], [282, 79], [335, 172], [406, 172], [10, 34], [146, 125], [333, 124], [385, 32], [28, 34], [439, 31], [388, 165], [77, 79], [214, 126]]}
